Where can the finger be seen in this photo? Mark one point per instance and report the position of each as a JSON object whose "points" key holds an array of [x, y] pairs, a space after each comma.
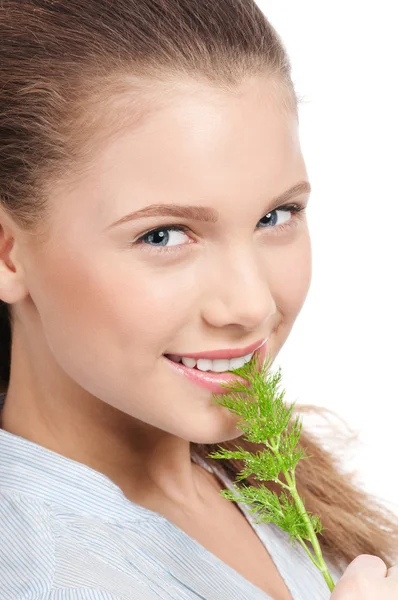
{"points": [[367, 564], [393, 572]]}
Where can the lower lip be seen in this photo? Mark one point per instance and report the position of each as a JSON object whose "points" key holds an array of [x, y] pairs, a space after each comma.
{"points": [[212, 381]]}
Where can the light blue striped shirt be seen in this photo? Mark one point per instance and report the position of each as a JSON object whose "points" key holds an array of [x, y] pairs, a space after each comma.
{"points": [[68, 532]]}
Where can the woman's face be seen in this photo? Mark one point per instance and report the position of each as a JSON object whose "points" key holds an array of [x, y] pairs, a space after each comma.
{"points": [[110, 301]]}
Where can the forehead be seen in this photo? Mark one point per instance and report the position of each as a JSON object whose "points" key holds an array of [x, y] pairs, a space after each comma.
{"points": [[195, 141], [200, 128]]}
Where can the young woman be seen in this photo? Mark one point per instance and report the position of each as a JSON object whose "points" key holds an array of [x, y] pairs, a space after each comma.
{"points": [[153, 196]]}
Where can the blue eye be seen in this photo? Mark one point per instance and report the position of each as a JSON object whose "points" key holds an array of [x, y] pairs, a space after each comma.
{"points": [[271, 218], [156, 240], [160, 236]]}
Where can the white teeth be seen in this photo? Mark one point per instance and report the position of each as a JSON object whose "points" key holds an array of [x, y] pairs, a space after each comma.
{"points": [[188, 362], [217, 366]]}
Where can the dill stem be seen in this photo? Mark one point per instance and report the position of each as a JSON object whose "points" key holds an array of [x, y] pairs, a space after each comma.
{"points": [[291, 481], [322, 566], [308, 551]]}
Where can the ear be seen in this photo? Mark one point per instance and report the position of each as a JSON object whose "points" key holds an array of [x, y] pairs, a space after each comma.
{"points": [[12, 280]]}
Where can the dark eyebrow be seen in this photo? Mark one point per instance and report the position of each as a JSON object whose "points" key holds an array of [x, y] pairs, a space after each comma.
{"points": [[203, 213]]}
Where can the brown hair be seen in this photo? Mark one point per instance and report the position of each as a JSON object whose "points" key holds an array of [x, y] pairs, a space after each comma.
{"points": [[61, 61]]}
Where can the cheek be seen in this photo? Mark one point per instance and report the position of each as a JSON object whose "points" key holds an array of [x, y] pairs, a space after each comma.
{"points": [[100, 324], [101, 312], [290, 277]]}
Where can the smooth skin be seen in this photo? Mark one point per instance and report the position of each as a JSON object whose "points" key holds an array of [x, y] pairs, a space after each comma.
{"points": [[367, 578]]}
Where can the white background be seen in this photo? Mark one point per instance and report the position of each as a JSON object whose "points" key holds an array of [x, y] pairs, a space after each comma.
{"points": [[342, 351]]}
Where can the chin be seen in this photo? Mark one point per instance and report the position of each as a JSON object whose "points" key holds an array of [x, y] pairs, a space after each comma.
{"points": [[218, 433]]}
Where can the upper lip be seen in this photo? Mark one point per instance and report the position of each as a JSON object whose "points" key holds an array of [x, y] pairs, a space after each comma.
{"points": [[227, 353]]}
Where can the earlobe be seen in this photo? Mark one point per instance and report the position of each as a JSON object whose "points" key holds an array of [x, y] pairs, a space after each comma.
{"points": [[12, 285]]}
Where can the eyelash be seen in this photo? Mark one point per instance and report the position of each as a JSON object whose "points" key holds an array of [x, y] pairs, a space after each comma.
{"points": [[297, 209]]}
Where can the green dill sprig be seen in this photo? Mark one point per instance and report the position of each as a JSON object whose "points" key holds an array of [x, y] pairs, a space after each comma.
{"points": [[267, 420]]}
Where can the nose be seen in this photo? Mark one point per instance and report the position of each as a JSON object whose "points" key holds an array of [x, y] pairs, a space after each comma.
{"points": [[239, 295]]}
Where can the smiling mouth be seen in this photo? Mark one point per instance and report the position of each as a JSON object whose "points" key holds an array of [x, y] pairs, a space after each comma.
{"points": [[204, 365]]}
